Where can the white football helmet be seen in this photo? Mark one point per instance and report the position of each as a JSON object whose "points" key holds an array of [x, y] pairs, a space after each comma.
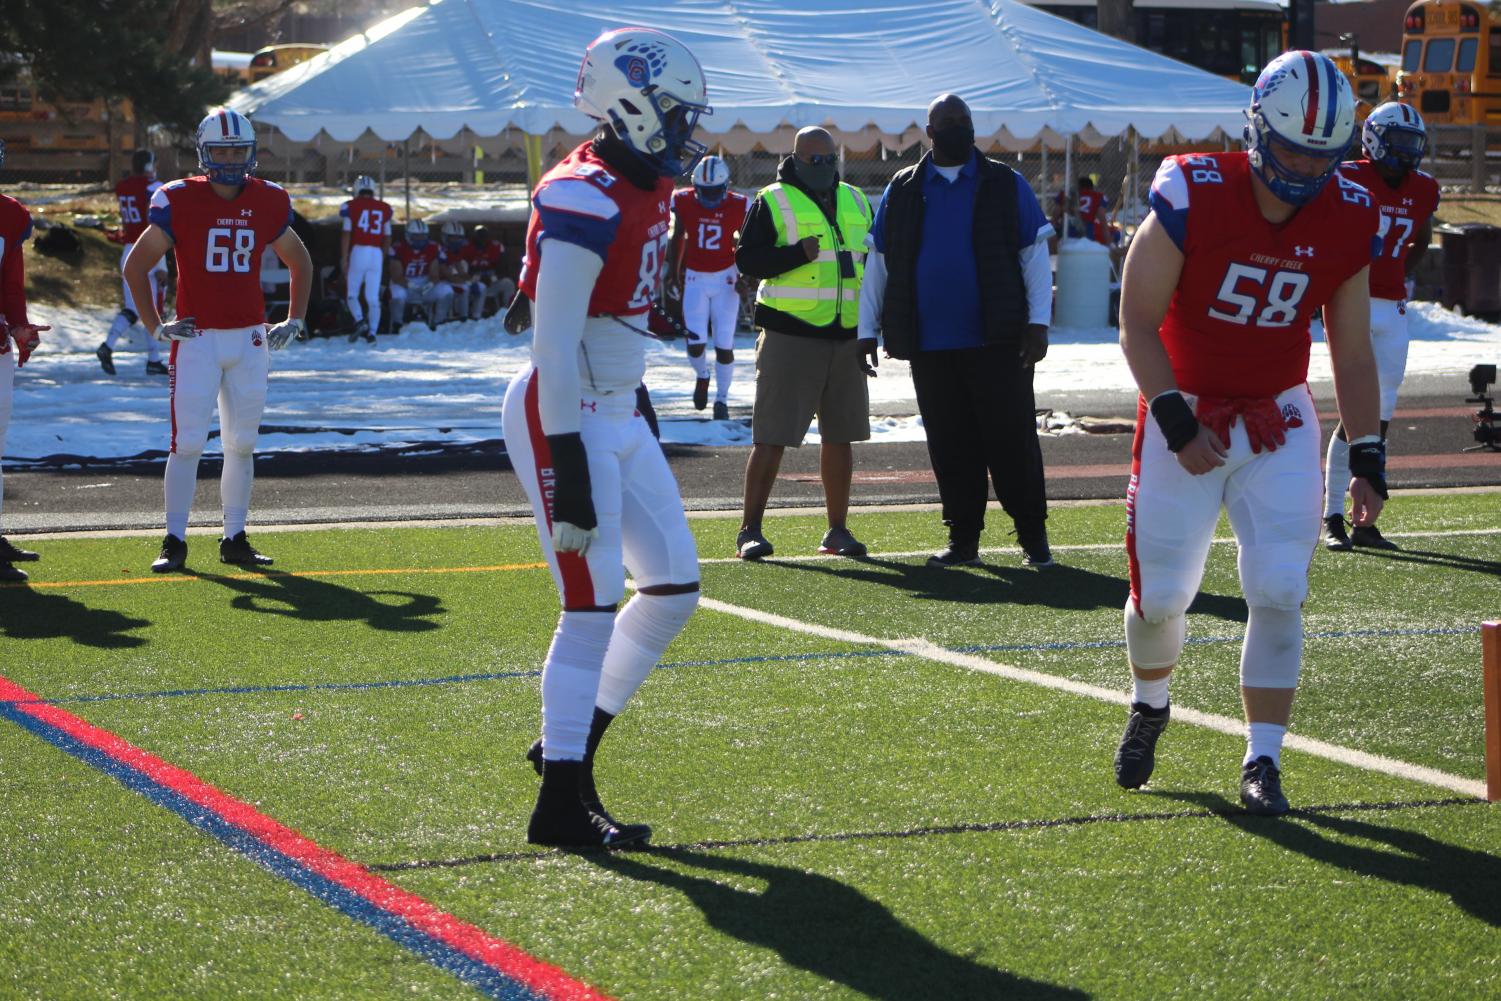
{"points": [[711, 179], [453, 233], [223, 129], [1301, 106], [416, 232], [651, 91], [364, 185], [1395, 137]]}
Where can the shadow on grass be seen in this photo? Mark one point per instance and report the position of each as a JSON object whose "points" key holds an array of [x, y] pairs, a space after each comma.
{"points": [[27, 614], [831, 930], [1059, 586], [1406, 858], [1425, 557], [313, 600]]}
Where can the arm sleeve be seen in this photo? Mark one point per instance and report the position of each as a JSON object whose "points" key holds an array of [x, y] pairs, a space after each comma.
{"points": [[757, 254], [575, 211], [13, 279], [872, 294], [160, 213], [1169, 200], [565, 281], [1037, 275]]}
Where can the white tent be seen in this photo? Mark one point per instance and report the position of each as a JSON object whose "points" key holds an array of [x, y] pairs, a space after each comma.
{"points": [[865, 68]]}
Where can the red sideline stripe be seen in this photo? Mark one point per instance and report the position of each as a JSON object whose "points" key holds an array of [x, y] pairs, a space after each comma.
{"points": [[1132, 564], [473, 942], [578, 585], [1311, 113]]}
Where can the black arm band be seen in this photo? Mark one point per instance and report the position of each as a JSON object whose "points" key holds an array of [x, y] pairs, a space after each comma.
{"points": [[1176, 419], [572, 495], [1368, 461]]}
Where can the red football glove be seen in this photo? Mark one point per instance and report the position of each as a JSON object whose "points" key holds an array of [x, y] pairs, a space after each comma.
{"points": [[1265, 427], [27, 336]]}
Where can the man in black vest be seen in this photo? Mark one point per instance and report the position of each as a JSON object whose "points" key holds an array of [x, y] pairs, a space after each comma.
{"points": [[960, 285]]}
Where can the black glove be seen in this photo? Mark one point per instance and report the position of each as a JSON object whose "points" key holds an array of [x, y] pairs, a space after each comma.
{"points": [[518, 316], [1176, 419], [1368, 461], [572, 496]]}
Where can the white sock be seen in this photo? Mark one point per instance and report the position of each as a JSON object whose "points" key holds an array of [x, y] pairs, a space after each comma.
{"points": [[177, 489], [643, 629], [570, 682], [700, 365], [1336, 476], [1264, 740], [235, 483], [1153, 693], [117, 330], [374, 313], [153, 351], [724, 373]]}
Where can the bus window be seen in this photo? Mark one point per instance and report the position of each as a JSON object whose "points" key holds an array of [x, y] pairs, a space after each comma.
{"points": [[1411, 53], [1467, 47], [1440, 55], [1495, 67]]}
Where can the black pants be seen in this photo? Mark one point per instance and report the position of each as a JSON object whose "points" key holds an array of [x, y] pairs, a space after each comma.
{"points": [[979, 412]]}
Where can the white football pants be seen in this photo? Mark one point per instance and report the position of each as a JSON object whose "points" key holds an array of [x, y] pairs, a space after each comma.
{"points": [[365, 267], [710, 300]]}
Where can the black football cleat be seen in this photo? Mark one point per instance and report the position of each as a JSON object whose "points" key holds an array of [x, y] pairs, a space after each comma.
{"points": [[11, 575], [534, 755], [721, 410], [700, 394], [1335, 538], [174, 554], [238, 550], [106, 359], [10, 553], [561, 820], [1261, 788], [1136, 757], [956, 554], [1370, 537], [154, 367]]}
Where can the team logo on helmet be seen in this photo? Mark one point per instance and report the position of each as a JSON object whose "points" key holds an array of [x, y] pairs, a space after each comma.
{"points": [[642, 62]]}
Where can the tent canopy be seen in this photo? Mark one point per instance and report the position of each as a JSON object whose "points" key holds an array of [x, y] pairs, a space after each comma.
{"points": [[866, 68]]}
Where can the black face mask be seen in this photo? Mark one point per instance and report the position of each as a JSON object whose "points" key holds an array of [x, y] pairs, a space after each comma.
{"points": [[953, 142], [818, 177]]}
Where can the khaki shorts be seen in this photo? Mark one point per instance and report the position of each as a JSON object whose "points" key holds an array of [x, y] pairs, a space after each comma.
{"points": [[797, 377]]}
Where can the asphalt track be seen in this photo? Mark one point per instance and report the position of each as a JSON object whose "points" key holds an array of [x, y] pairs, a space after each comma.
{"points": [[1427, 437]]}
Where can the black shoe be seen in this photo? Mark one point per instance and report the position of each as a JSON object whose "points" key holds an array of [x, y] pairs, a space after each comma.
{"points": [[561, 819], [239, 550], [957, 554], [1136, 757], [750, 544], [1370, 537], [721, 410], [1261, 788], [11, 575], [1034, 543], [11, 554], [156, 368], [841, 542], [700, 394], [1335, 538], [534, 755], [174, 554], [106, 359]]}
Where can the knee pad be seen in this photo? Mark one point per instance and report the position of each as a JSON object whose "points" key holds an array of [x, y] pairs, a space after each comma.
{"points": [[1272, 655], [1153, 644], [696, 350], [1277, 578], [724, 356], [1162, 602], [654, 620]]}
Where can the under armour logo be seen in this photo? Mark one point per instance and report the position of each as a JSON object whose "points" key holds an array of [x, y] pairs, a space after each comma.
{"points": [[1303, 251], [589, 405], [1407, 201], [246, 212]]}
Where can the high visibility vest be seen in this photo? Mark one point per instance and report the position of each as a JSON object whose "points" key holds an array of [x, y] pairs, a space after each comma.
{"points": [[816, 293]]}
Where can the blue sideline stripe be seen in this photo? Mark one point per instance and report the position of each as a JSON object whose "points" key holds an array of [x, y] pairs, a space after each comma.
{"points": [[491, 982], [460, 679]]}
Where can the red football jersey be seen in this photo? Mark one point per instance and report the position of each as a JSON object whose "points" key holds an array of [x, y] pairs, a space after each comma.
{"points": [[582, 201], [367, 221], [709, 234], [416, 262], [1238, 322], [1091, 202], [218, 244], [1404, 209], [486, 258], [15, 228], [134, 194]]}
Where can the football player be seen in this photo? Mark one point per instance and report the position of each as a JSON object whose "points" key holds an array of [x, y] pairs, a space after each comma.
{"points": [[705, 220], [1238, 252], [455, 270], [134, 195], [363, 248], [598, 482], [484, 256], [416, 270], [18, 338], [1394, 140], [218, 224]]}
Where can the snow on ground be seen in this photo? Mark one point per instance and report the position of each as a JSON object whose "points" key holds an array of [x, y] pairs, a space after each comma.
{"points": [[443, 388]]}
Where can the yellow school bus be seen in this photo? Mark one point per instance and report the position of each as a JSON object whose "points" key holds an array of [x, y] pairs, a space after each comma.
{"points": [[1451, 62]]}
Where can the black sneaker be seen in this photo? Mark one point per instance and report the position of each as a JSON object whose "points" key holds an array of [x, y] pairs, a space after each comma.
{"points": [[239, 550], [174, 554], [721, 410], [957, 554], [106, 359], [1370, 537], [701, 394], [750, 544], [154, 367], [840, 542], [9, 553], [561, 819], [1335, 538], [1261, 788], [1136, 757], [11, 575], [1034, 543]]}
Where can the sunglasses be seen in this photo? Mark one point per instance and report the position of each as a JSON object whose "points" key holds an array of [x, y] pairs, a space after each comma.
{"points": [[819, 159]]}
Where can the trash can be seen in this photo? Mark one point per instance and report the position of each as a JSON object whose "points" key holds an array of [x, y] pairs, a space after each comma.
{"points": [[1083, 300], [1472, 268]]}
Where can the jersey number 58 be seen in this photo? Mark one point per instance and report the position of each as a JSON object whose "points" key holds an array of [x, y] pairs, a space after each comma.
{"points": [[1273, 302]]}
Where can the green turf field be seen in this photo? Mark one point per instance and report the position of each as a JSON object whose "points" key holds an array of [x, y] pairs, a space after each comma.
{"points": [[835, 816]]}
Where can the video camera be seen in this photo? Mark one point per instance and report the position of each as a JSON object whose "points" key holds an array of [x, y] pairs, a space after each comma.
{"points": [[1487, 434]]}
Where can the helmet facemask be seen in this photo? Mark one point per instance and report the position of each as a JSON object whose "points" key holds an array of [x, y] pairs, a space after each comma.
{"points": [[1270, 154], [670, 150], [1398, 148]]}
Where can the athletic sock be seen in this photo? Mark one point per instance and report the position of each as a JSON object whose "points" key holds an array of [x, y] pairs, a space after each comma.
{"points": [[1264, 740], [570, 682], [700, 365], [1336, 476], [178, 484], [724, 373], [1151, 693]]}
